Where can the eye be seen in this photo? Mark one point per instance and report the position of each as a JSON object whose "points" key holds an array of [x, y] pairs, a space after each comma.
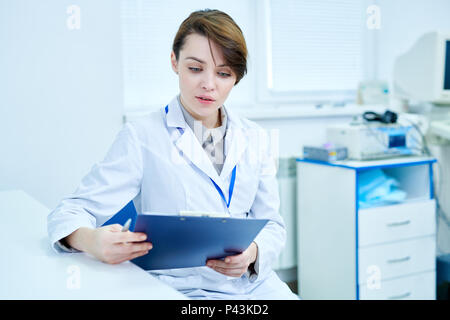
{"points": [[224, 74], [194, 69]]}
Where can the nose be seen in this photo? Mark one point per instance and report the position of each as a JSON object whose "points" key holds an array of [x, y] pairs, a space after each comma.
{"points": [[208, 81]]}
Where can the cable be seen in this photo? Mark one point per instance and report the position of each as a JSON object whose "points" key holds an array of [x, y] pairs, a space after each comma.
{"points": [[387, 117], [424, 143]]}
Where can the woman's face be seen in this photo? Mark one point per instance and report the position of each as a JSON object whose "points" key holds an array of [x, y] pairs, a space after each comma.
{"points": [[204, 78]]}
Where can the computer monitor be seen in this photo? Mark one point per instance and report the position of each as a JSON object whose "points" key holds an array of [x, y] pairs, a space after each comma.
{"points": [[423, 72]]}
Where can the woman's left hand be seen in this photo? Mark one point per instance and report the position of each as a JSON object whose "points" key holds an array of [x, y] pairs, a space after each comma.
{"points": [[235, 266]]}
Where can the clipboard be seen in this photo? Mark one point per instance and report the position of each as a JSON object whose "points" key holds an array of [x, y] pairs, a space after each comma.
{"points": [[184, 241]]}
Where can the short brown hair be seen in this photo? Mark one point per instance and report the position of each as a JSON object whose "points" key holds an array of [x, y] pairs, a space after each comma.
{"points": [[219, 27]]}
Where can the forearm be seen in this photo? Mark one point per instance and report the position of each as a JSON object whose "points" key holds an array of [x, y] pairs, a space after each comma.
{"points": [[80, 239]]}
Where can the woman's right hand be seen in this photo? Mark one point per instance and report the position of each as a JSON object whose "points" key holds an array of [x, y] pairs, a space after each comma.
{"points": [[109, 244]]}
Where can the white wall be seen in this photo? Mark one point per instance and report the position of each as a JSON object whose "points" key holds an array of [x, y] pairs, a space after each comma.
{"points": [[60, 93]]}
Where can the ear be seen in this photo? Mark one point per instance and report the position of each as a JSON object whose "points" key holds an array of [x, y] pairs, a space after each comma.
{"points": [[174, 62]]}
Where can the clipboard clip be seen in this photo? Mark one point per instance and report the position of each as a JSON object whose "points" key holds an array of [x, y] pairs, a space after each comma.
{"points": [[204, 214]]}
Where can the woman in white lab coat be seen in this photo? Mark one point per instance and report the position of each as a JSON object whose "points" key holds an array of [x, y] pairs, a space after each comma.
{"points": [[183, 158]]}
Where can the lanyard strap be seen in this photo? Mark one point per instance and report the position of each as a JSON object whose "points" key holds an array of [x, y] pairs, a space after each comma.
{"points": [[233, 175], [230, 190]]}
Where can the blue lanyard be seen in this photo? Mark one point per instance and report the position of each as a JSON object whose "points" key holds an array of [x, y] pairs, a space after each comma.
{"points": [[230, 190], [233, 176]]}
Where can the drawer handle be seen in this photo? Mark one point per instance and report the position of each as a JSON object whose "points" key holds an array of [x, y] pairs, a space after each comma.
{"points": [[398, 224], [401, 296], [404, 259]]}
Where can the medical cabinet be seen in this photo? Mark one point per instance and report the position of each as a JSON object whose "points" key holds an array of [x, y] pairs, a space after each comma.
{"points": [[348, 249]]}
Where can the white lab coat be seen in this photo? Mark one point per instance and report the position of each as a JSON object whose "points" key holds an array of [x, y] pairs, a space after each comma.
{"points": [[167, 171]]}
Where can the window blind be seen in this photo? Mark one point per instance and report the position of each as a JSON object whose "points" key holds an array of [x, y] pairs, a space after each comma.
{"points": [[316, 45], [146, 43]]}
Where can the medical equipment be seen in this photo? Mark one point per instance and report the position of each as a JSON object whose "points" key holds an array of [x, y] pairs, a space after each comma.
{"points": [[328, 152], [366, 141], [423, 72], [373, 92]]}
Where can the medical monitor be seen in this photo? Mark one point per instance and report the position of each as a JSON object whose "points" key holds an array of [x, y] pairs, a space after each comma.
{"points": [[423, 72]]}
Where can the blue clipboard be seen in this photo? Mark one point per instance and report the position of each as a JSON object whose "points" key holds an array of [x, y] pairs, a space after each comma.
{"points": [[183, 241]]}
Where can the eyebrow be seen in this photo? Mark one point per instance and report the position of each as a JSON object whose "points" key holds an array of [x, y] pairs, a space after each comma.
{"points": [[203, 62]]}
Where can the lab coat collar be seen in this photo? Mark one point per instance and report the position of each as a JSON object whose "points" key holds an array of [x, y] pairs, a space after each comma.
{"points": [[174, 116], [187, 143], [235, 144]]}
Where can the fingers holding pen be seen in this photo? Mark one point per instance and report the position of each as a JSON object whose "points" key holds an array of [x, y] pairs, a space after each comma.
{"points": [[113, 245], [132, 247], [129, 236], [132, 244], [120, 252]]}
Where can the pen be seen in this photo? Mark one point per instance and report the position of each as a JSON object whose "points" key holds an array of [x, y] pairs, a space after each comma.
{"points": [[126, 226]]}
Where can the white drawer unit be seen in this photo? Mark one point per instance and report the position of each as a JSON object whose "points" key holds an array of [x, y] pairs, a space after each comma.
{"points": [[414, 287], [353, 250], [388, 261], [396, 222]]}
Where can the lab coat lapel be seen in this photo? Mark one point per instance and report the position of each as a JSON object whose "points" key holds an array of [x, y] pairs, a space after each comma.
{"points": [[192, 149], [235, 144], [189, 145]]}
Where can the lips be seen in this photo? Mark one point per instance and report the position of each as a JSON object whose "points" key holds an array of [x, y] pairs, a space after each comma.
{"points": [[205, 98]]}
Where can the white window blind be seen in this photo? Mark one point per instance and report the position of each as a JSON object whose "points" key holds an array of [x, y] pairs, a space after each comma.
{"points": [[146, 42], [316, 46], [148, 30]]}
